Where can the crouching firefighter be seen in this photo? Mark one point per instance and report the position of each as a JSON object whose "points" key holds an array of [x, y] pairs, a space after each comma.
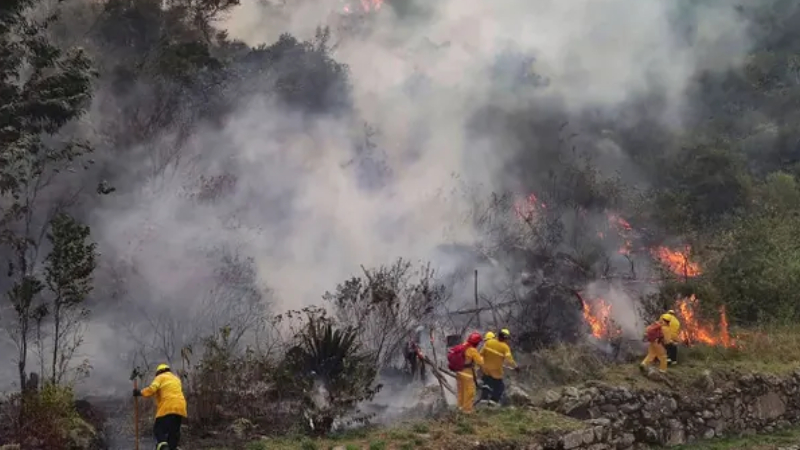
{"points": [[462, 360], [170, 407]]}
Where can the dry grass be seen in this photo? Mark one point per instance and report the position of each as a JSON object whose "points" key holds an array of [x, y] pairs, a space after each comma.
{"points": [[766, 350], [453, 431]]}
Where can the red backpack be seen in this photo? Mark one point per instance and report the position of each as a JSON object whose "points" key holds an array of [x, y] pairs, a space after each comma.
{"points": [[457, 357], [654, 332]]}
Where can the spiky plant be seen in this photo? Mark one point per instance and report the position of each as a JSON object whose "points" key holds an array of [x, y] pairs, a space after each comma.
{"points": [[334, 357]]}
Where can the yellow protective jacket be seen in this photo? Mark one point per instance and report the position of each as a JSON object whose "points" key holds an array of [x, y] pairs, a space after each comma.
{"points": [[473, 358], [674, 328], [495, 352], [168, 393]]}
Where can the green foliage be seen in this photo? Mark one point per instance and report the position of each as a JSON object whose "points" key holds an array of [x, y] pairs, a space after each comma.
{"points": [[703, 186], [50, 418], [43, 88], [68, 274], [333, 370]]}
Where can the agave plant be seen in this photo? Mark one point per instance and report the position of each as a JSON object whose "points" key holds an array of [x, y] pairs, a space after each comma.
{"points": [[332, 357]]}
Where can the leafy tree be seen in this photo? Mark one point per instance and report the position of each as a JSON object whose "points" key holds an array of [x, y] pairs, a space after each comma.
{"points": [[43, 88], [68, 275]]}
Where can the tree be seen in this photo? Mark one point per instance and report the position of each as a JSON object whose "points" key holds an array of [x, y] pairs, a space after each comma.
{"points": [[68, 275], [43, 88], [386, 304]]}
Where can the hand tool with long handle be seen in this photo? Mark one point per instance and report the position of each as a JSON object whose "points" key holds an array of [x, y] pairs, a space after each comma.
{"points": [[135, 377]]}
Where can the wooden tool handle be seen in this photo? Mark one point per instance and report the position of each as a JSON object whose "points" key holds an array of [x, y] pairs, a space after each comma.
{"points": [[136, 415]]}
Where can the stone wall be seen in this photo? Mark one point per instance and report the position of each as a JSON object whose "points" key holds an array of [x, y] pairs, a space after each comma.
{"points": [[621, 418]]}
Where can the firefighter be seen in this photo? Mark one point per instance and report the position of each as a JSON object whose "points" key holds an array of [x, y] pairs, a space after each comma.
{"points": [[413, 357], [654, 335], [170, 407], [496, 353], [674, 335], [462, 360]]}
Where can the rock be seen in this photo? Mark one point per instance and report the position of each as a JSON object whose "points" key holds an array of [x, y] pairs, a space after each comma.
{"points": [[602, 422], [650, 435], [709, 433], [676, 435], [627, 440], [571, 391], [517, 396], [770, 406], [572, 440], [577, 439], [552, 397], [630, 408], [609, 409], [598, 446]]}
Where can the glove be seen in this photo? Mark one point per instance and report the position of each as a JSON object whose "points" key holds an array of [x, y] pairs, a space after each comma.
{"points": [[137, 393]]}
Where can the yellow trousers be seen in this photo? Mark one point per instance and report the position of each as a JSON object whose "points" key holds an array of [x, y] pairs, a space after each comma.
{"points": [[655, 351], [465, 387]]}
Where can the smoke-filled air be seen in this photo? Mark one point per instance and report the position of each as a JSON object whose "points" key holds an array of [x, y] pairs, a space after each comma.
{"points": [[299, 210]]}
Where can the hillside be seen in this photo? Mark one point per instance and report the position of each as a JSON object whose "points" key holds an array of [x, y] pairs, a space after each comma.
{"points": [[279, 199], [716, 398]]}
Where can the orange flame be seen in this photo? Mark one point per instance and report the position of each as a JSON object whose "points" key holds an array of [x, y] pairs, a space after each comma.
{"points": [[365, 6], [526, 209], [623, 230], [693, 331], [598, 316], [677, 261]]}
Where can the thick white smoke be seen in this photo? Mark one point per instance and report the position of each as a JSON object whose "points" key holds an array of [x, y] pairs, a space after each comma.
{"points": [[306, 214]]}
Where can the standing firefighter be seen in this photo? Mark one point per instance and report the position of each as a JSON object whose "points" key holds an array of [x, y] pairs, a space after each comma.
{"points": [[462, 360], [654, 335], [496, 353], [674, 335], [170, 407]]}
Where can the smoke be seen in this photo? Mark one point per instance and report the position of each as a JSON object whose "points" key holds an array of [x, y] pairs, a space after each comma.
{"points": [[308, 216]]}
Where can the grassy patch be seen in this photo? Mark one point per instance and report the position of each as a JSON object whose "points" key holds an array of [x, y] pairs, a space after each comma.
{"points": [[765, 350], [452, 431], [759, 442]]}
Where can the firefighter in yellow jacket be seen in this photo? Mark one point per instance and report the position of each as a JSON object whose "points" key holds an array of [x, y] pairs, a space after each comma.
{"points": [[465, 376], [170, 407], [671, 344], [496, 353], [655, 337]]}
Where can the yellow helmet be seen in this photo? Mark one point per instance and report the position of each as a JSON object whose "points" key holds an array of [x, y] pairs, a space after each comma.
{"points": [[666, 318], [489, 335], [162, 368], [505, 332]]}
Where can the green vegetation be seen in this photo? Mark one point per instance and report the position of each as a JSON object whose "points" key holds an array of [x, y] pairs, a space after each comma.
{"points": [[162, 120], [783, 438], [452, 431]]}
